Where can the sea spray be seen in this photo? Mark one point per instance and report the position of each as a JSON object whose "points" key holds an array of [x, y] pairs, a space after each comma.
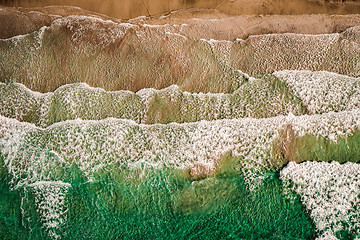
{"points": [[330, 192], [48, 198], [92, 145], [261, 98], [323, 91]]}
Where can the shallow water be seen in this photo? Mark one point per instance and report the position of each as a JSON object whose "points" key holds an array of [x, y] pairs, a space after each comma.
{"points": [[157, 203]]}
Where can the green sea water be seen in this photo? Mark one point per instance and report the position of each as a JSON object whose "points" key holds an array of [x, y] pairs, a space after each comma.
{"points": [[155, 203]]}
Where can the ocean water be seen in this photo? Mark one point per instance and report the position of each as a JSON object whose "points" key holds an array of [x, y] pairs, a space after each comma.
{"points": [[110, 131], [116, 179], [154, 204]]}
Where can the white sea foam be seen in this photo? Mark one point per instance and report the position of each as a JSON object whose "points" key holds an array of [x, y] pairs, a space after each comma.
{"points": [[330, 191], [107, 31], [49, 197], [33, 154], [323, 91], [78, 100]]}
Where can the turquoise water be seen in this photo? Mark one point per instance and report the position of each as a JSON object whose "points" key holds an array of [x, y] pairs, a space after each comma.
{"points": [[154, 203]]}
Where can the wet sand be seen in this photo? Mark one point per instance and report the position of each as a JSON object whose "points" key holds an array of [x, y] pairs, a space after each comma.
{"points": [[126, 9]]}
